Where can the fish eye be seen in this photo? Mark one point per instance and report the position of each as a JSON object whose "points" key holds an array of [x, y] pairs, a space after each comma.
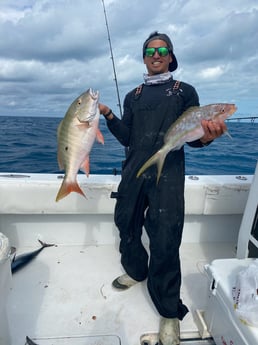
{"points": [[79, 101]]}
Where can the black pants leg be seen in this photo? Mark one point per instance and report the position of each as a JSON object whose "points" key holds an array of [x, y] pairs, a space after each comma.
{"points": [[129, 218], [164, 225]]}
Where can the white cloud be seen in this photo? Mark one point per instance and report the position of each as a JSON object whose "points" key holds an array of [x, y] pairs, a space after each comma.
{"points": [[53, 50], [212, 73]]}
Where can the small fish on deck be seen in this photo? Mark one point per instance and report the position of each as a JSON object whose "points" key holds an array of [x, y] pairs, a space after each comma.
{"points": [[187, 128], [23, 259]]}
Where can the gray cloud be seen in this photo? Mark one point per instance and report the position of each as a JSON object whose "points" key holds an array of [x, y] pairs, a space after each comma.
{"points": [[51, 51]]}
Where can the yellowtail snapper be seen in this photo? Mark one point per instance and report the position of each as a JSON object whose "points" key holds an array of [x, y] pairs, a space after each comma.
{"points": [[187, 128]]}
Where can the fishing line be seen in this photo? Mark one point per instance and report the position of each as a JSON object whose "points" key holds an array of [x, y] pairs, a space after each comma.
{"points": [[112, 59]]}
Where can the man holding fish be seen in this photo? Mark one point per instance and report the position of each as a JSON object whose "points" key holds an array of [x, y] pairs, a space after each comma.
{"points": [[159, 117]]}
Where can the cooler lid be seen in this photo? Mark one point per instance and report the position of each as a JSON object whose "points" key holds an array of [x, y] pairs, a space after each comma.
{"points": [[222, 274], [4, 247]]}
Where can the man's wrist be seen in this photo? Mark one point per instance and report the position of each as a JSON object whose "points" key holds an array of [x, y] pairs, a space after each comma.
{"points": [[109, 115], [205, 143]]}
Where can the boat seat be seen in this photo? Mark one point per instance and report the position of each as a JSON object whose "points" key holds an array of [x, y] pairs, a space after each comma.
{"points": [[248, 233]]}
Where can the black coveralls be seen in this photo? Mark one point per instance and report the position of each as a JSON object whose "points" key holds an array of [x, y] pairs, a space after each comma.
{"points": [[141, 202]]}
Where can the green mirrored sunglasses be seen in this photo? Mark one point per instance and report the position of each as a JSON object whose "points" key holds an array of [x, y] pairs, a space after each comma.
{"points": [[162, 51]]}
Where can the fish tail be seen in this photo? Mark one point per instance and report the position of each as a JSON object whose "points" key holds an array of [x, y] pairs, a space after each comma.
{"points": [[158, 158], [160, 163], [68, 187], [44, 244], [99, 137]]}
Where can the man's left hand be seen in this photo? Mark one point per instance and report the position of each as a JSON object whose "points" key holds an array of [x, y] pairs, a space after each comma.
{"points": [[212, 130]]}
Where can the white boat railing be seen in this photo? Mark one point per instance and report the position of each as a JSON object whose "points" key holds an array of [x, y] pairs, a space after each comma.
{"points": [[248, 233]]}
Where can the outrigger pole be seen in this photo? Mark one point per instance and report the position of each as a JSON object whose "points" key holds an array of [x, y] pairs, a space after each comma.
{"points": [[112, 58]]}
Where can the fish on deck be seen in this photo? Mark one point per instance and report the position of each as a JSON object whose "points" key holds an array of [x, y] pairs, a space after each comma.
{"points": [[76, 134], [23, 259], [187, 128]]}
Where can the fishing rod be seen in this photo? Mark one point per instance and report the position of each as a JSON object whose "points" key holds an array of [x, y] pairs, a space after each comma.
{"points": [[112, 59], [251, 118]]}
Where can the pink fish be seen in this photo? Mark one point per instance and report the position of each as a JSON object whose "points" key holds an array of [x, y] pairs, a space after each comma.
{"points": [[76, 134]]}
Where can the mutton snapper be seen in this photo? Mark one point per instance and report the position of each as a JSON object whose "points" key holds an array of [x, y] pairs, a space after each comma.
{"points": [[187, 128], [76, 134]]}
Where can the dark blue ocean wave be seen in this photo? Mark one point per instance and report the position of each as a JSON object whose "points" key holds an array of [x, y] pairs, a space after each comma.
{"points": [[29, 145], [226, 156]]}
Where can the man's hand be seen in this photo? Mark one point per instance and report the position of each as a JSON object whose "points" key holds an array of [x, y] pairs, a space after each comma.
{"points": [[103, 109], [212, 130]]}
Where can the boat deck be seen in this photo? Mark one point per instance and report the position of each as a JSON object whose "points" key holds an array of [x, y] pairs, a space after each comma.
{"points": [[64, 296]]}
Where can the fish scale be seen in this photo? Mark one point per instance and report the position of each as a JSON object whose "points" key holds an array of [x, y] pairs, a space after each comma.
{"points": [[187, 128]]}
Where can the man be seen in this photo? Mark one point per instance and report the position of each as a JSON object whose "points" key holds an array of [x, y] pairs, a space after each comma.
{"points": [[149, 111]]}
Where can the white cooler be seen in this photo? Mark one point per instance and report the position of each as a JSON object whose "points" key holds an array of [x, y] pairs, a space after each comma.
{"points": [[220, 316]]}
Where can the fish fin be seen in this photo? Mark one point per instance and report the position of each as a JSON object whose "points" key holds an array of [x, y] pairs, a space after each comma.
{"points": [[68, 187], [14, 257], [160, 163], [152, 160], [228, 134], [59, 156], [158, 158], [99, 137], [86, 166], [60, 161], [59, 129], [83, 125]]}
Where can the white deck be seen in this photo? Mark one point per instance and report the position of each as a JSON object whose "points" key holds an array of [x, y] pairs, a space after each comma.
{"points": [[65, 296], [66, 292]]}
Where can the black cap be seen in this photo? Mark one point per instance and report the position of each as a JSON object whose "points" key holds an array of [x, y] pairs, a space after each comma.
{"points": [[158, 36]]}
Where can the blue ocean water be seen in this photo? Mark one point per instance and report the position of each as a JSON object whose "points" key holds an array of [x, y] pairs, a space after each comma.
{"points": [[28, 145]]}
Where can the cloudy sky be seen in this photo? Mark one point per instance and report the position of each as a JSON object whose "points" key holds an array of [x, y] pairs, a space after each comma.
{"points": [[52, 51]]}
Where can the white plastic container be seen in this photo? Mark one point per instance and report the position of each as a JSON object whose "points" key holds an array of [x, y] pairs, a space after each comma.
{"points": [[5, 285], [220, 316]]}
